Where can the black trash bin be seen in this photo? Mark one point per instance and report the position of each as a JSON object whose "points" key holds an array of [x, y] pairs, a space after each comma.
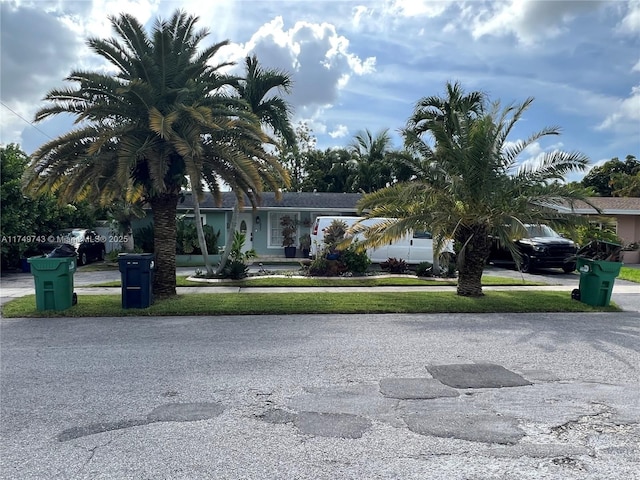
{"points": [[136, 271]]}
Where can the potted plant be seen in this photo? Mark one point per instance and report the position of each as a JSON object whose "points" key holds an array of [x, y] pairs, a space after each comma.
{"points": [[289, 227], [305, 244]]}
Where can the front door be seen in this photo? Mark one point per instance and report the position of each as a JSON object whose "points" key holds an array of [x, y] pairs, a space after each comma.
{"points": [[245, 225]]}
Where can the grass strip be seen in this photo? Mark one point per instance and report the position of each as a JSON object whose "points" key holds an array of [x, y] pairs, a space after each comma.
{"points": [[630, 274], [397, 281], [318, 303]]}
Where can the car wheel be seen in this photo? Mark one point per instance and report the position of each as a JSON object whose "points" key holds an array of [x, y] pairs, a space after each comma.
{"points": [[82, 259], [102, 254], [525, 265], [569, 267]]}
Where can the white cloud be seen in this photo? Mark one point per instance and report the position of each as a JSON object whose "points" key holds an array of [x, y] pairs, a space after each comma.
{"points": [[630, 24], [339, 132], [318, 58], [636, 67], [627, 112], [528, 20], [418, 8]]}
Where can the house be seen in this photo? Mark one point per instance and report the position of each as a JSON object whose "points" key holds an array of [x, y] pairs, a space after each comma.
{"points": [[264, 233], [623, 211], [262, 225]]}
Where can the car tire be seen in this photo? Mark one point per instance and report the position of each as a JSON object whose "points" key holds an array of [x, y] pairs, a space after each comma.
{"points": [[569, 267], [102, 255], [82, 259], [525, 264]]}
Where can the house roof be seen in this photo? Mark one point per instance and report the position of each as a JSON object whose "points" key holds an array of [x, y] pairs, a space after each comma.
{"points": [[312, 201], [607, 205]]}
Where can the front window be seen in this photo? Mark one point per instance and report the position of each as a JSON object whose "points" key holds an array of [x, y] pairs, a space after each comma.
{"points": [[275, 229]]}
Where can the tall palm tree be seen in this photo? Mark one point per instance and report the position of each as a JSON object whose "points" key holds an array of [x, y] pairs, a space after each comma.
{"points": [[471, 186], [372, 157], [157, 121], [258, 89]]}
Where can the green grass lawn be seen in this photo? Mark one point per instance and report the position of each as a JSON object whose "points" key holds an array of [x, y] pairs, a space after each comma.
{"points": [[630, 274], [374, 281], [318, 303]]}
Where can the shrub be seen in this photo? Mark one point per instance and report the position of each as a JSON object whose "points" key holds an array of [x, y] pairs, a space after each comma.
{"points": [[334, 234], [235, 270], [186, 238], [394, 265], [356, 262], [424, 269]]}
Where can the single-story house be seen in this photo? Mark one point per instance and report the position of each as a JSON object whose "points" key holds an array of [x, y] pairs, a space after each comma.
{"points": [[262, 225], [624, 211], [264, 233]]}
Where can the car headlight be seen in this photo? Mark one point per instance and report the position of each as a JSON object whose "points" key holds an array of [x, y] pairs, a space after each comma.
{"points": [[539, 248]]}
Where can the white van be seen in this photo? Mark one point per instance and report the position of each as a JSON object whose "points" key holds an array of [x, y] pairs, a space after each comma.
{"points": [[414, 248]]}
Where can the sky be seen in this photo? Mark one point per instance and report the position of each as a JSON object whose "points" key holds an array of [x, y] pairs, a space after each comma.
{"points": [[360, 64]]}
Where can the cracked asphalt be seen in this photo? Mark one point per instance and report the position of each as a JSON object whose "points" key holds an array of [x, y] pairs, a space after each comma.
{"points": [[476, 396]]}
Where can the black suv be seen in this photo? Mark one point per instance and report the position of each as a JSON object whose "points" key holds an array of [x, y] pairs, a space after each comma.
{"points": [[88, 244], [541, 248]]}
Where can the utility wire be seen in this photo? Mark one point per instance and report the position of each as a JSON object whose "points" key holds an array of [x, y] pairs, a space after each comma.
{"points": [[24, 119]]}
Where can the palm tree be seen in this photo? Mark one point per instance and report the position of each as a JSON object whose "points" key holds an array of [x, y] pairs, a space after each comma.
{"points": [[157, 121], [257, 90], [470, 184], [371, 156]]}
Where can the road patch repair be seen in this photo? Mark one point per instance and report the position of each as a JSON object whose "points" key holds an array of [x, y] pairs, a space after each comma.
{"points": [[170, 412], [481, 402]]}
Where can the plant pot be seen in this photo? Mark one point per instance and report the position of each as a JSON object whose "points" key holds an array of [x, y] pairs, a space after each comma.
{"points": [[290, 252], [630, 256]]}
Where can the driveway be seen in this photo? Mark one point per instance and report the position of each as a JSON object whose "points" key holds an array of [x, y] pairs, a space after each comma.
{"points": [[498, 396]]}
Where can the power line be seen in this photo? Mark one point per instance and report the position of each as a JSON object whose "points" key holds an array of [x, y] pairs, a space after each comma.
{"points": [[24, 119]]}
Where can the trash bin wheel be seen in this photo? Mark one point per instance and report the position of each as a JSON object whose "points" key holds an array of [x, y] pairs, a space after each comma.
{"points": [[575, 294]]}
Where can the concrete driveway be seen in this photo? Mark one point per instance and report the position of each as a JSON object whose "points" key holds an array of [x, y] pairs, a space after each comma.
{"points": [[518, 396]]}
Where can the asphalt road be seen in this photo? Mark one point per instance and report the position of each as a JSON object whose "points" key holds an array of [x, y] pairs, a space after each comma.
{"points": [[318, 397]]}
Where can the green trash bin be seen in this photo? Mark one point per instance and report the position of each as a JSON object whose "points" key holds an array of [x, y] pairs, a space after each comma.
{"points": [[54, 282], [596, 280]]}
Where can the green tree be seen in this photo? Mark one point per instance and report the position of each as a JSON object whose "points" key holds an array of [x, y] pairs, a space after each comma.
{"points": [[258, 89], [330, 170], [38, 216], [160, 118], [615, 178], [470, 184], [371, 155], [295, 157]]}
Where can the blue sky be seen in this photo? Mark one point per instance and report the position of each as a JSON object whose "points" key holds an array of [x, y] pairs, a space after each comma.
{"points": [[364, 64]]}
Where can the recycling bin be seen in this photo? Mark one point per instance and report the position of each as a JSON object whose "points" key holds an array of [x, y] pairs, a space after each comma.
{"points": [[136, 271], [596, 280], [53, 277]]}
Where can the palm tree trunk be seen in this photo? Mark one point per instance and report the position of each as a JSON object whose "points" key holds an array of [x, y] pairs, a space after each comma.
{"points": [[229, 242], [164, 208], [472, 261], [201, 238]]}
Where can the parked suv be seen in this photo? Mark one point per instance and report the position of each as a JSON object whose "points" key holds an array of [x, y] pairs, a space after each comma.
{"points": [[88, 244], [541, 248]]}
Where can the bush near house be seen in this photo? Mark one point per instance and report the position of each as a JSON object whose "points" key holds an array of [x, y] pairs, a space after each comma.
{"points": [[186, 239]]}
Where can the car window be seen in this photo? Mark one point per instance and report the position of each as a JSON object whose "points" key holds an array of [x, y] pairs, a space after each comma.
{"points": [[541, 231], [419, 234]]}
